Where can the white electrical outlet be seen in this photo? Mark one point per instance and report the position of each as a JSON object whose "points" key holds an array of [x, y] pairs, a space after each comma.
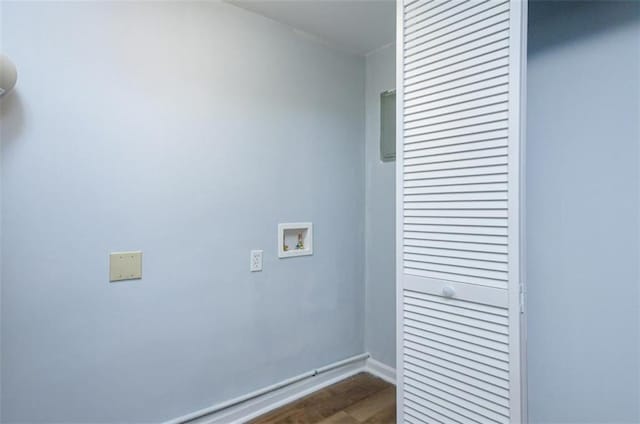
{"points": [[256, 261]]}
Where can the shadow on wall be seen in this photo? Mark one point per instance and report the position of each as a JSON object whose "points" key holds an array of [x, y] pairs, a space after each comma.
{"points": [[11, 117], [579, 19]]}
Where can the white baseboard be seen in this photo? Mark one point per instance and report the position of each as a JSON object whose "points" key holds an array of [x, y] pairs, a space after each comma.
{"points": [[253, 408], [262, 404], [381, 370]]}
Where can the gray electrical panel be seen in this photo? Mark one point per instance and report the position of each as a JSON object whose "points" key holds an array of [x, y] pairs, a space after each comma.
{"points": [[388, 126]]}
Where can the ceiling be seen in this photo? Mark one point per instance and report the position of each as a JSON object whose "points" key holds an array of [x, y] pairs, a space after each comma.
{"points": [[357, 26]]}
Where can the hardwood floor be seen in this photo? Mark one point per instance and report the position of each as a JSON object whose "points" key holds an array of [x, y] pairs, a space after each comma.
{"points": [[360, 399]]}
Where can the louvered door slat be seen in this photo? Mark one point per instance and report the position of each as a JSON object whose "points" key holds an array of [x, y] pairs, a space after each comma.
{"points": [[458, 193], [478, 158], [419, 263], [457, 63], [448, 174], [487, 328], [455, 221], [426, 336], [465, 142], [458, 246], [436, 414], [489, 309], [454, 181], [496, 409], [452, 229], [431, 13], [457, 73], [454, 131], [451, 30], [462, 408], [487, 108], [459, 188], [431, 10], [456, 262], [433, 153], [463, 12], [455, 310], [488, 40], [469, 80], [421, 357], [473, 104], [488, 385], [444, 329], [443, 99], [448, 347], [470, 35], [419, 374], [474, 408], [458, 159], [497, 258]]}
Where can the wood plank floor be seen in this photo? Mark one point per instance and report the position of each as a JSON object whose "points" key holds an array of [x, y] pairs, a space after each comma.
{"points": [[360, 399]]}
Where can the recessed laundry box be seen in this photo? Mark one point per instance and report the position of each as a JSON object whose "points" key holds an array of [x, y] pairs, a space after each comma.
{"points": [[295, 239]]}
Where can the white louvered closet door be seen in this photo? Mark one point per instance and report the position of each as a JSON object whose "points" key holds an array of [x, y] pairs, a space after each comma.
{"points": [[459, 133]]}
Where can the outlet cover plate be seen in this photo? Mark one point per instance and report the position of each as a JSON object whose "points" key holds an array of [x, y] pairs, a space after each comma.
{"points": [[125, 266], [255, 264]]}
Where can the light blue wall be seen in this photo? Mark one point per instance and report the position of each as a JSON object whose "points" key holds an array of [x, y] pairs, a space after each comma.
{"points": [[583, 212], [186, 130], [380, 327]]}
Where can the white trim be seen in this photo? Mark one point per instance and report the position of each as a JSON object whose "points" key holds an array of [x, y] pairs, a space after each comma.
{"points": [[381, 370], [399, 207], [266, 400], [523, 223], [517, 55]]}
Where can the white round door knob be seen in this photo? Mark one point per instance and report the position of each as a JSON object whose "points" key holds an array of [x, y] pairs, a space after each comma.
{"points": [[8, 75], [448, 291]]}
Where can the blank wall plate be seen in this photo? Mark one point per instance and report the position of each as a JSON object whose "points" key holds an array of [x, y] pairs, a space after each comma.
{"points": [[125, 266]]}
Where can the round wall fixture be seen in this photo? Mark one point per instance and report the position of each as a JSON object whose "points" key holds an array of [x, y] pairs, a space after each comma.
{"points": [[8, 75]]}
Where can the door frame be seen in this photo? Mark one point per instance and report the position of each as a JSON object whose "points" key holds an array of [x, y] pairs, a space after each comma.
{"points": [[517, 298]]}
